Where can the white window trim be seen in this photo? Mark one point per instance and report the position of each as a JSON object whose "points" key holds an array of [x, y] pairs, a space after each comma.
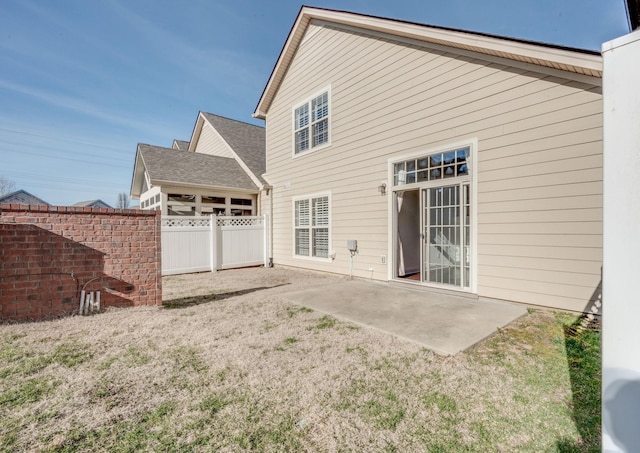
{"points": [[472, 143], [328, 259], [308, 100]]}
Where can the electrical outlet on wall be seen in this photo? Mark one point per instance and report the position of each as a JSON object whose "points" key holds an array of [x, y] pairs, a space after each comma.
{"points": [[383, 259]]}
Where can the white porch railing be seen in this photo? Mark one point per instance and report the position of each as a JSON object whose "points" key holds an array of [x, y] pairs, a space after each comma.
{"points": [[196, 244]]}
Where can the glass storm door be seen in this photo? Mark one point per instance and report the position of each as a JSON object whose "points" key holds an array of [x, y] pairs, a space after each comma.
{"points": [[447, 235]]}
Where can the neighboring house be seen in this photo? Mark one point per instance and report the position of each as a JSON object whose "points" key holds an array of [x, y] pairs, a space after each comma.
{"points": [[180, 145], [458, 161], [219, 171], [22, 197], [92, 204]]}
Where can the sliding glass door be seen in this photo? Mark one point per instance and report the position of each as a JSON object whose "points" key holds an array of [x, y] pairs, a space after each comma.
{"points": [[446, 235], [433, 218]]}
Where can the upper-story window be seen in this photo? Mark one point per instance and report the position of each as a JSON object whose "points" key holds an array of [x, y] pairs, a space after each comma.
{"points": [[311, 123]]}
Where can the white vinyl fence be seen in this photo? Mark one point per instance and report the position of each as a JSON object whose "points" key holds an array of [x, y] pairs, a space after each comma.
{"points": [[196, 244]]}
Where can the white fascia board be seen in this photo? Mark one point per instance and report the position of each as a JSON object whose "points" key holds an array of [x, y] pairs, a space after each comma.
{"points": [[157, 182], [197, 130], [286, 55], [138, 172], [621, 41], [574, 61], [541, 55]]}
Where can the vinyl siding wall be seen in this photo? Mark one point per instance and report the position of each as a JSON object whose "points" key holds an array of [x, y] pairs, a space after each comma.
{"points": [[210, 142], [539, 159]]}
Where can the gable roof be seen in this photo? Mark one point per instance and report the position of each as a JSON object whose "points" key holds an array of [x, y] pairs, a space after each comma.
{"points": [[180, 145], [170, 166], [92, 204], [579, 61], [246, 140], [22, 197]]}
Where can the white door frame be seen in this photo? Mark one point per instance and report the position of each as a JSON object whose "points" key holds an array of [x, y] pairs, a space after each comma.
{"points": [[472, 143]]}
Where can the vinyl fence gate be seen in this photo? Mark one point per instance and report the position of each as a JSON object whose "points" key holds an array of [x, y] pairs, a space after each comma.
{"points": [[197, 244]]}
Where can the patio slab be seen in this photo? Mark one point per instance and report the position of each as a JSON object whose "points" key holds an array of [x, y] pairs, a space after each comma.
{"points": [[443, 323]]}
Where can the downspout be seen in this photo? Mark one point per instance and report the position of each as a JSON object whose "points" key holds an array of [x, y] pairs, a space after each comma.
{"points": [[265, 237], [268, 189], [270, 192]]}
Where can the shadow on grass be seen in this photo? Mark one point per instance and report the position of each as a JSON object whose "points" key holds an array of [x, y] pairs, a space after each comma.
{"points": [[583, 347], [186, 302]]}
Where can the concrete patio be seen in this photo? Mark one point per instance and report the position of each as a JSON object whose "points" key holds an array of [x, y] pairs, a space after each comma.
{"points": [[443, 323]]}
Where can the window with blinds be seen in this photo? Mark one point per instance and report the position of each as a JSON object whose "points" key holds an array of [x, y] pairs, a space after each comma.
{"points": [[312, 227], [311, 123]]}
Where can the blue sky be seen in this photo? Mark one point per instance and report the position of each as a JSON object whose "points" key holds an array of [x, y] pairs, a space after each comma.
{"points": [[82, 82]]}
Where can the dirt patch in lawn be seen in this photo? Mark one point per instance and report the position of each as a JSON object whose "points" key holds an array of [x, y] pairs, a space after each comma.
{"points": [[227, 365]]}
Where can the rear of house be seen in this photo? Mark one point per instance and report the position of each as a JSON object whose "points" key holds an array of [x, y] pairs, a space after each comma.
{"points": [[457, 161]]}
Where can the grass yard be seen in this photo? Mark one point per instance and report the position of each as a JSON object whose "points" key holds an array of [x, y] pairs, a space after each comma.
{"points": [[229, 366]]}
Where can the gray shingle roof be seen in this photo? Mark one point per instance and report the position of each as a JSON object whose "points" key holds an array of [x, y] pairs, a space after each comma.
{"points": [[92, 204], [22, 197], [170, 165], [247, 140], [180, 145]]}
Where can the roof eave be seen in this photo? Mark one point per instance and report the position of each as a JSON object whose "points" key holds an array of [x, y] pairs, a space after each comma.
{"points": [[286, 54], [237, 157], [197, 130], [138, 171], [556, 57], [259, 114], [161, 182]]}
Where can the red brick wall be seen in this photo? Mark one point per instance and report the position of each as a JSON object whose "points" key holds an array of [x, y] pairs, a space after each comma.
{"points": [[48, 254]]}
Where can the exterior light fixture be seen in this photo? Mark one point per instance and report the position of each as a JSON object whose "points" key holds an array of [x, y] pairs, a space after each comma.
{"points": [[382, 188]]}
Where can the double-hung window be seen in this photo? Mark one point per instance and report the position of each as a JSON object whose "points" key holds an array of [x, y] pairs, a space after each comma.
{"points": [[311, 123], [312, 226]]}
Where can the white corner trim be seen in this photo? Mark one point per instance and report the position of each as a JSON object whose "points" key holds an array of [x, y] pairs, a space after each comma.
{"points": [[621, 41]]}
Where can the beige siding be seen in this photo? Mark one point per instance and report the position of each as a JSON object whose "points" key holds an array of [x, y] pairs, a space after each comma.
{"points": [[539, 199], [210, 142]]}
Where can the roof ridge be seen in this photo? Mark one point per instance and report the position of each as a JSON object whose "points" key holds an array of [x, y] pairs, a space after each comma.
{"points": [[188, 168], [550, 57], [231, 119], [183, 153], [468, 32]]}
